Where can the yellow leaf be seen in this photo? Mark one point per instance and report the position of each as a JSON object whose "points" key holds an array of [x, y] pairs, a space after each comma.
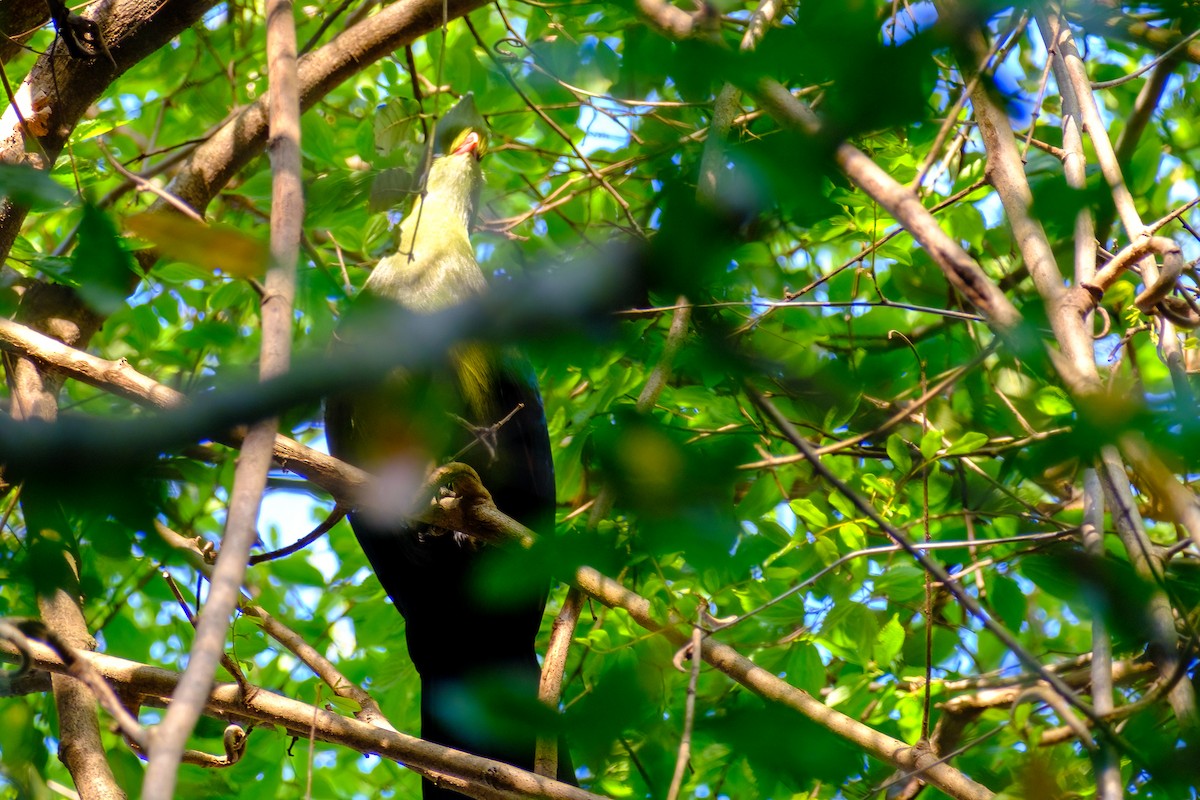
{"points": [[218, 248]]}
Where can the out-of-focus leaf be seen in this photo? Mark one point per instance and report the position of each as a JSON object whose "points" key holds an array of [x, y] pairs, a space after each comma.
{"points": [[1007, 600], [217, 248], [1105, 587], [783, 744], [100, 264], [897, 451], [31, 187], [931, 443], [1053, 401]]}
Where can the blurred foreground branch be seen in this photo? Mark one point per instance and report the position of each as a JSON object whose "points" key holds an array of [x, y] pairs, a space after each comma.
{"points": [[577, 302]]}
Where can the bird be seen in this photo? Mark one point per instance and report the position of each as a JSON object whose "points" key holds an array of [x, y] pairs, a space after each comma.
{"points": [[481, 407]]}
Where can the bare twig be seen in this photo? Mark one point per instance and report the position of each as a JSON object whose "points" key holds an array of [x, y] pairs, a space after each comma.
{"points": [[304, 541], [148, 186], [228, 663]]}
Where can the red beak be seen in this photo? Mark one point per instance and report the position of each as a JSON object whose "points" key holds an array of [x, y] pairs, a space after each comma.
{"points": [[469, 145]]}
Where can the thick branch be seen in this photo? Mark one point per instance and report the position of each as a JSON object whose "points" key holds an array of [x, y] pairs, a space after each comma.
{"points": [[244, 137], [471, 775], [67, 87]]}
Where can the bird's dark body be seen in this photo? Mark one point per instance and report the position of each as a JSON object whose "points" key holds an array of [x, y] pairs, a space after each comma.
{"points": [[459, 639]]}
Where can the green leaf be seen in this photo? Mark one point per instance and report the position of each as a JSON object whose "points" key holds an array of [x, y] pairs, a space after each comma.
{"points": [[91, 128], [807, 510], [394, 123], [392, 188], [774, 532], [853, 536], [1053, 401], [889, 642], [229, 294], [100, 265], [298, 572], [177, 272], [1007, 600], [317, 140], [347, 706], [32, 188], [931, 443], [897, 450], [804, 667], [901, 583], [967, 443], [827, 550]]}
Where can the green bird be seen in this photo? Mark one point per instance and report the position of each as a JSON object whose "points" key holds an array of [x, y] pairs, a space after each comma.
{"points": [[483, 408]]}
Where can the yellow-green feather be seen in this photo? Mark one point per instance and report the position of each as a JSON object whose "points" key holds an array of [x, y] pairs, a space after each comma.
{"points": [[434, 267], [476, 377]]}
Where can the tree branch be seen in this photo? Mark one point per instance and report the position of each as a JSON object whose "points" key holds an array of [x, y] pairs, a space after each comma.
{"points": [[250, 476], [67, 87], [471, 775], [243, 138]]}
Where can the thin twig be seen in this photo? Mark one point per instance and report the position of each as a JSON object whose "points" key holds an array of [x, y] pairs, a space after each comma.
{"points": [[554, 126], [689, 710], [148, 186], [304, 541], [969, 603]]}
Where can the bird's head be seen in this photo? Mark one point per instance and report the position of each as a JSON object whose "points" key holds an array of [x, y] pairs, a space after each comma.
{"points": [[459, 143], [462, 131]]}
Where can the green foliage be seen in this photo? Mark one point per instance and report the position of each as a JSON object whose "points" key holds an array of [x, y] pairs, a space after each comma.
{"points": [[803, 290], [31, 187], [102, 268]]}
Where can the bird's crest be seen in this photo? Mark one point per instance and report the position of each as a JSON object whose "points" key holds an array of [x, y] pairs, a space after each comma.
{"points": [[462, 120]]}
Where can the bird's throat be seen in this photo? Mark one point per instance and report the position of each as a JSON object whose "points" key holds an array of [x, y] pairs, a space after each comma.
{"points": [[435, 267]]}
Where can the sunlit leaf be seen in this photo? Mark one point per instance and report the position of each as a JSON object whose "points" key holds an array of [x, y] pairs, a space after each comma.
{"points": [[216, 248]]}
